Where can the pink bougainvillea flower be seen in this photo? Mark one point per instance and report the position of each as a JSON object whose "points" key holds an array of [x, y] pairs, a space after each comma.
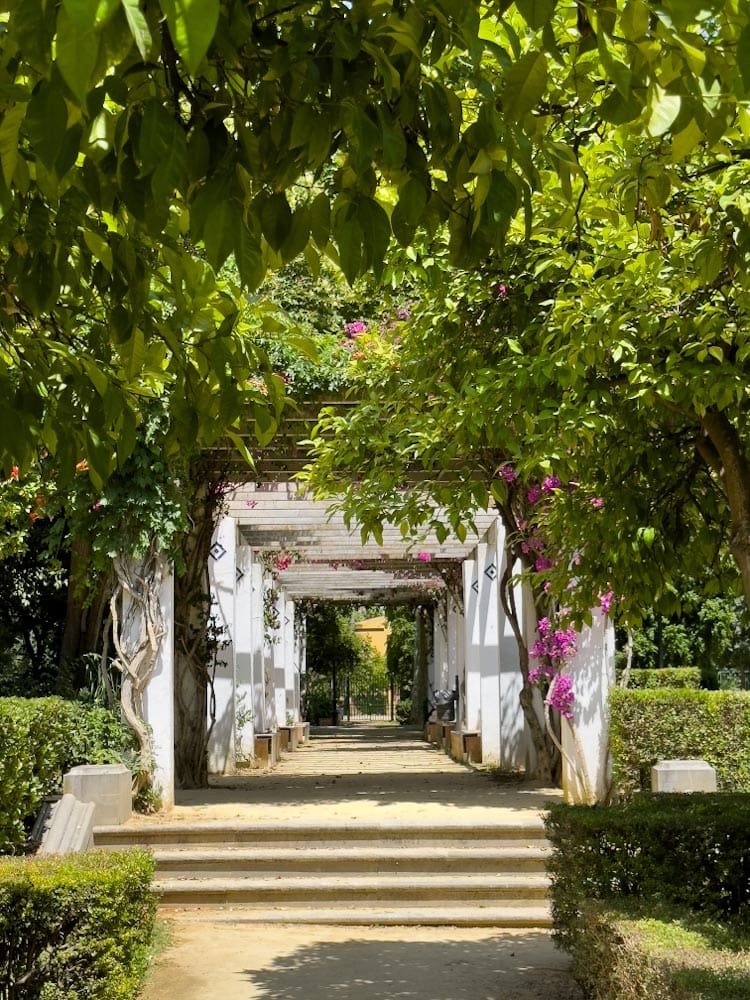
{"points": [[605, 601], [355, 329], [534, 493], [596, 502], [507, 473], [424, 557]]}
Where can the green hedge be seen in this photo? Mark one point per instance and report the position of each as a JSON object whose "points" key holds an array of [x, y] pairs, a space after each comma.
{"points": [[691, 850], [667, 677], [75, 928], [648, 726], [633, 951], [41, 739]]}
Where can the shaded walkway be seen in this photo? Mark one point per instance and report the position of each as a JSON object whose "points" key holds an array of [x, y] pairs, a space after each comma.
{"points": [[377, 774]]}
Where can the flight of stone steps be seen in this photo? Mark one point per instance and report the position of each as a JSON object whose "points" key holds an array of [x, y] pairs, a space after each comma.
{"points": [[356, 873]]}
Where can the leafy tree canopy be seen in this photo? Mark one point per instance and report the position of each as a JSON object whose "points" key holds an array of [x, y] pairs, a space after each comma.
{"points": [[142, 144]]}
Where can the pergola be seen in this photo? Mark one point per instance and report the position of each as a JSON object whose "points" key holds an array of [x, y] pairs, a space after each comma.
{"points": [[329, 560]]}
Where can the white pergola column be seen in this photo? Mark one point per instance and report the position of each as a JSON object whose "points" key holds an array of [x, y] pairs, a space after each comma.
{"points": [[471, 715], [291, 683], [258, 646], [593, 673], [245, 638], [268, 660], [487, 642], [279, 659], [222, 571], [456, 641], [513, 736], [440, 679], [300, 661], [158, 699]]}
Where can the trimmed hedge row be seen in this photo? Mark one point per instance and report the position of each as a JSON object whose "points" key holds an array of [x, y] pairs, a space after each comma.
{"points": [[691, 850], [633, 952], [75, 928], [648, 726], [41, 739], [666, 677]]}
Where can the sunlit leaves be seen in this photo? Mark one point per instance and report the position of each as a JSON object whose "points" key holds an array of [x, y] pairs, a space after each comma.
{"points": [[192, 24]]}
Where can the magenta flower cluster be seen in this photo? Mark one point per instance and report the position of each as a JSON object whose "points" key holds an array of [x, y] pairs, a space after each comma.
{"points": [[507, 473], [424, 557], [554, 645], [560, 695], [353, 330]]}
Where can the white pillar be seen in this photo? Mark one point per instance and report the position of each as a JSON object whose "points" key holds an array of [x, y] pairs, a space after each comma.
{"points": [[245, 627], [513, 734], [279, 662], [456, 652], [158, 699], [440, 679], [593, 672], [259, 646], [222, 570], [487, 638], [291, 683], [470, 695], [267, 653]]}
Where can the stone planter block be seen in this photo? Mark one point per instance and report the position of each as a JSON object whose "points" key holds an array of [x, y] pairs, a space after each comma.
{"points": [[108, 786], [683, 776]]}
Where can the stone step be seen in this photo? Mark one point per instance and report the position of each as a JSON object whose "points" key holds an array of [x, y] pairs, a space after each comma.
{"points": [[390, 890], [302, 835], [236, 860], [509, 914]]}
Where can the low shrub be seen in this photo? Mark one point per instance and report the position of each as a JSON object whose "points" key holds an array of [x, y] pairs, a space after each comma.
{"points": [[648, 726], [628, 951], [77, 927], [690, 850], [41, 739], [403, 711], [666, 677]]}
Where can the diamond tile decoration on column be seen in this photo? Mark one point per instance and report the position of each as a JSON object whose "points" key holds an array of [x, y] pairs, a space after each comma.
{"points": [[491, 571], [217, 551], [239, 574], [475, 586]]}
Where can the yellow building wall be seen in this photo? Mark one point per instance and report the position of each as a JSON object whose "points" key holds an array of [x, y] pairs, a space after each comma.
{"points": [[375, 631]]}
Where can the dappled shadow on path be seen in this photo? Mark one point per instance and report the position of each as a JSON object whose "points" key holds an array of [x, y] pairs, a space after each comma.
{"points": [[501, 967], [383, 766]]}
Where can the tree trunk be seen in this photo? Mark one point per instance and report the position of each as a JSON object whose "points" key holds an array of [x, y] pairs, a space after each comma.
{"points": [[192, 654], [548, 761], [722, 450], [137, 630], [84, 614]]}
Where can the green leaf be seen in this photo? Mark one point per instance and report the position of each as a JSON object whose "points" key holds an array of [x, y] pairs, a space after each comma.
{"points": [[743, 55], [275, 220], [525, 85], [99, 247], [46, 122], [77, 54], [664, 110], [88, 13], [214, 217], [192, 25], [686, 141], [249, 258], [138, 26], [536, 13], [9, 129]]}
